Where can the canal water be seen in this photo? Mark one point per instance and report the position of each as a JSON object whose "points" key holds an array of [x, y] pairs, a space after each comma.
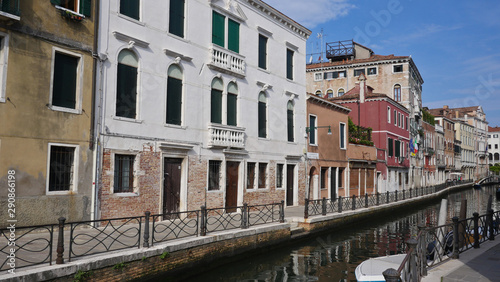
{"points": [[333, 256]]}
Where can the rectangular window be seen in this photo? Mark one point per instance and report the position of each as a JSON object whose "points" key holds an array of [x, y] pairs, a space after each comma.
{"points": [[214, 175], [289, 64], [395, 118], [389, 114], [397, 148], [406, 123], [399, 119], [232, 103], [218, 29], [290, 125], [124, 174], [61, 168], [342, 136], [262, 52], [318, 76], [372, 71], [496, 146], [174, 100], [342, 74], [126, 102], [233, 36], [65, 80], [390, 147], [216, 106], [312, 130], [398, 68], [324, 177], [359, 71], [279, 176], [262, 175], [82, 7], [250, 175], [130, 8], [176, 17]]}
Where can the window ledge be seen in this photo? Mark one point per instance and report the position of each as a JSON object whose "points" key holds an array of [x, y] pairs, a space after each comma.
{"points": [[9, 16], [175, 126], [178, 37], [264, 139], [131, 19], [66, 110], [128, 119], [70, 14], [127, 194], [214, 191], [60, 193], [264, 70]]}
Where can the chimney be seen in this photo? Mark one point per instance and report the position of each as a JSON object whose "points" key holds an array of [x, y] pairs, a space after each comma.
{"points": [[457, 115], [445, 107], [362, 86]]}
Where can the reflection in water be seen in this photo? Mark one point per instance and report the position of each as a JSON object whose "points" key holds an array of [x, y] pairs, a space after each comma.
{"points": [[334, 256]]}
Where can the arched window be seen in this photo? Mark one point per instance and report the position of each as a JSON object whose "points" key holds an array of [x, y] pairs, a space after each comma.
{"points": [[289, 119], [497, 157], [262, 115], [232, 104], [340, 92], [329, 93], [126, 84], [216, 101], [174, 95], [490, 156], [318, 93], [397, 92]]}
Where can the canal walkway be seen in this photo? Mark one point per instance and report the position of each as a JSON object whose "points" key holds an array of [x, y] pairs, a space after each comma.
{"points": [[475, 265]]}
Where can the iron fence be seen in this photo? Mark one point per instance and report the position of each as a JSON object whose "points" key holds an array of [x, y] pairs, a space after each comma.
{"points": [[262, 214], [28, 243], [175, 225]]}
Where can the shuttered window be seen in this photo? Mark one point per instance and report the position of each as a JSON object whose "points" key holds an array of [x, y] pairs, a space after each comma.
{"points": [[232, 104], [289, 119], [262, 123], [130, 8], [250, 175], [214, 175], [233, 36], [84, 8], [312, 130], [176, 17], [262, 175], [174, 101], [218, 23], [389, 146], [262, 52], [397, 148], [126, 89], [216, 101], [64, 81], [289, 64]]}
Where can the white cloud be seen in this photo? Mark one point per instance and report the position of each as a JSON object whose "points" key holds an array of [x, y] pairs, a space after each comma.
{"points": [[312, 13]]}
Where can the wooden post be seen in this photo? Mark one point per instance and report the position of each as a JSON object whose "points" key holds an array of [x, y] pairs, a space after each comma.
{"points": [[476, 230], [203, 223], [414, 272], [391, 275]]}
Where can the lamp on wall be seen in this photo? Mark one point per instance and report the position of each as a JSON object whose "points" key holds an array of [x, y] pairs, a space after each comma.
{"points": [[311, 128]]}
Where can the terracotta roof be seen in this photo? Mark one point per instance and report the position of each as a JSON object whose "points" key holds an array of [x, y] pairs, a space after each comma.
{"points": [[493, 129], [452, 112], [327, 101], [373, 58]]}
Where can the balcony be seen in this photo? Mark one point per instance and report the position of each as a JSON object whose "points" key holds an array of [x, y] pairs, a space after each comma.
{"points": [[226, 61], [9, 10], [429, 151], [226, 136]]}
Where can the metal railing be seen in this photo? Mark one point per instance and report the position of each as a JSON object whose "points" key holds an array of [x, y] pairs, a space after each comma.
{"points": [[176, 225], [27, 241], [435, 245]]}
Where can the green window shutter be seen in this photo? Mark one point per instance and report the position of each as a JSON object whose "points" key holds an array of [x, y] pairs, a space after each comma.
{"points": [[85, 7], [176, 21], [389, 147], [130, 8], [289, 64], [218, 24], [64, 84], [232, 109], [262, 52], [55, 2], [262, 120], [312, 130], [174, 101], [289, 119], [126, 92], [216, 106], [397, 148], [233, 36], [342, 136]]}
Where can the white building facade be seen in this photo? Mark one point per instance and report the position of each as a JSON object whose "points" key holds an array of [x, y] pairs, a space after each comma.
{"points": [[202, 104]]}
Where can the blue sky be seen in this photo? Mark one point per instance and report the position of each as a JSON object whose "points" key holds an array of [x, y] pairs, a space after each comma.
{"points": [[455, 44]]}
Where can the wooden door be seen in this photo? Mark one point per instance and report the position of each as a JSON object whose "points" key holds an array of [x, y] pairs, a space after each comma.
{"points": [[231, 186], [171, 186], [289, 184]]}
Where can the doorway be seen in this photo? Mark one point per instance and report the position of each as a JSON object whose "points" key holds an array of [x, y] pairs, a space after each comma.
{"points": [[231, 186], [289, 184], [171, 187]]}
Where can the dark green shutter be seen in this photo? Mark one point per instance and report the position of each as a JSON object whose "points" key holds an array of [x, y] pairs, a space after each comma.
{"points": [[174, 101], [64, 84], [397, 148], [85, 7], [126, 95], [262, 120], [262, 52], [289, 115], [130, 8], [216, 106], [389, 147], [55, 2], [233, 36], [312, 130], [231, 109], [176, 21], [218, 23], [342, 136], [289, 64]]}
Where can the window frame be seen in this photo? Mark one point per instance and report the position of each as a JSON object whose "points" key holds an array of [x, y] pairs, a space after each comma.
{"points": [[262, 57], [219, 181], [181, 96], [262, 112], [134, 176], [84, 13], [338, 92], [280, 176], [343, 141], [290, 54], [230, 106], [313, 130], [4, 60], [320, 74], [370, 68], [390, 147], [139, 12], [76, 161], [323, 183], [213, 98], [137, 86], [397, 95], [394, 68], [247, 187], [389, 113], [359, 71], [266, 184], [290, 121], [183, 19], [79, 81]]}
